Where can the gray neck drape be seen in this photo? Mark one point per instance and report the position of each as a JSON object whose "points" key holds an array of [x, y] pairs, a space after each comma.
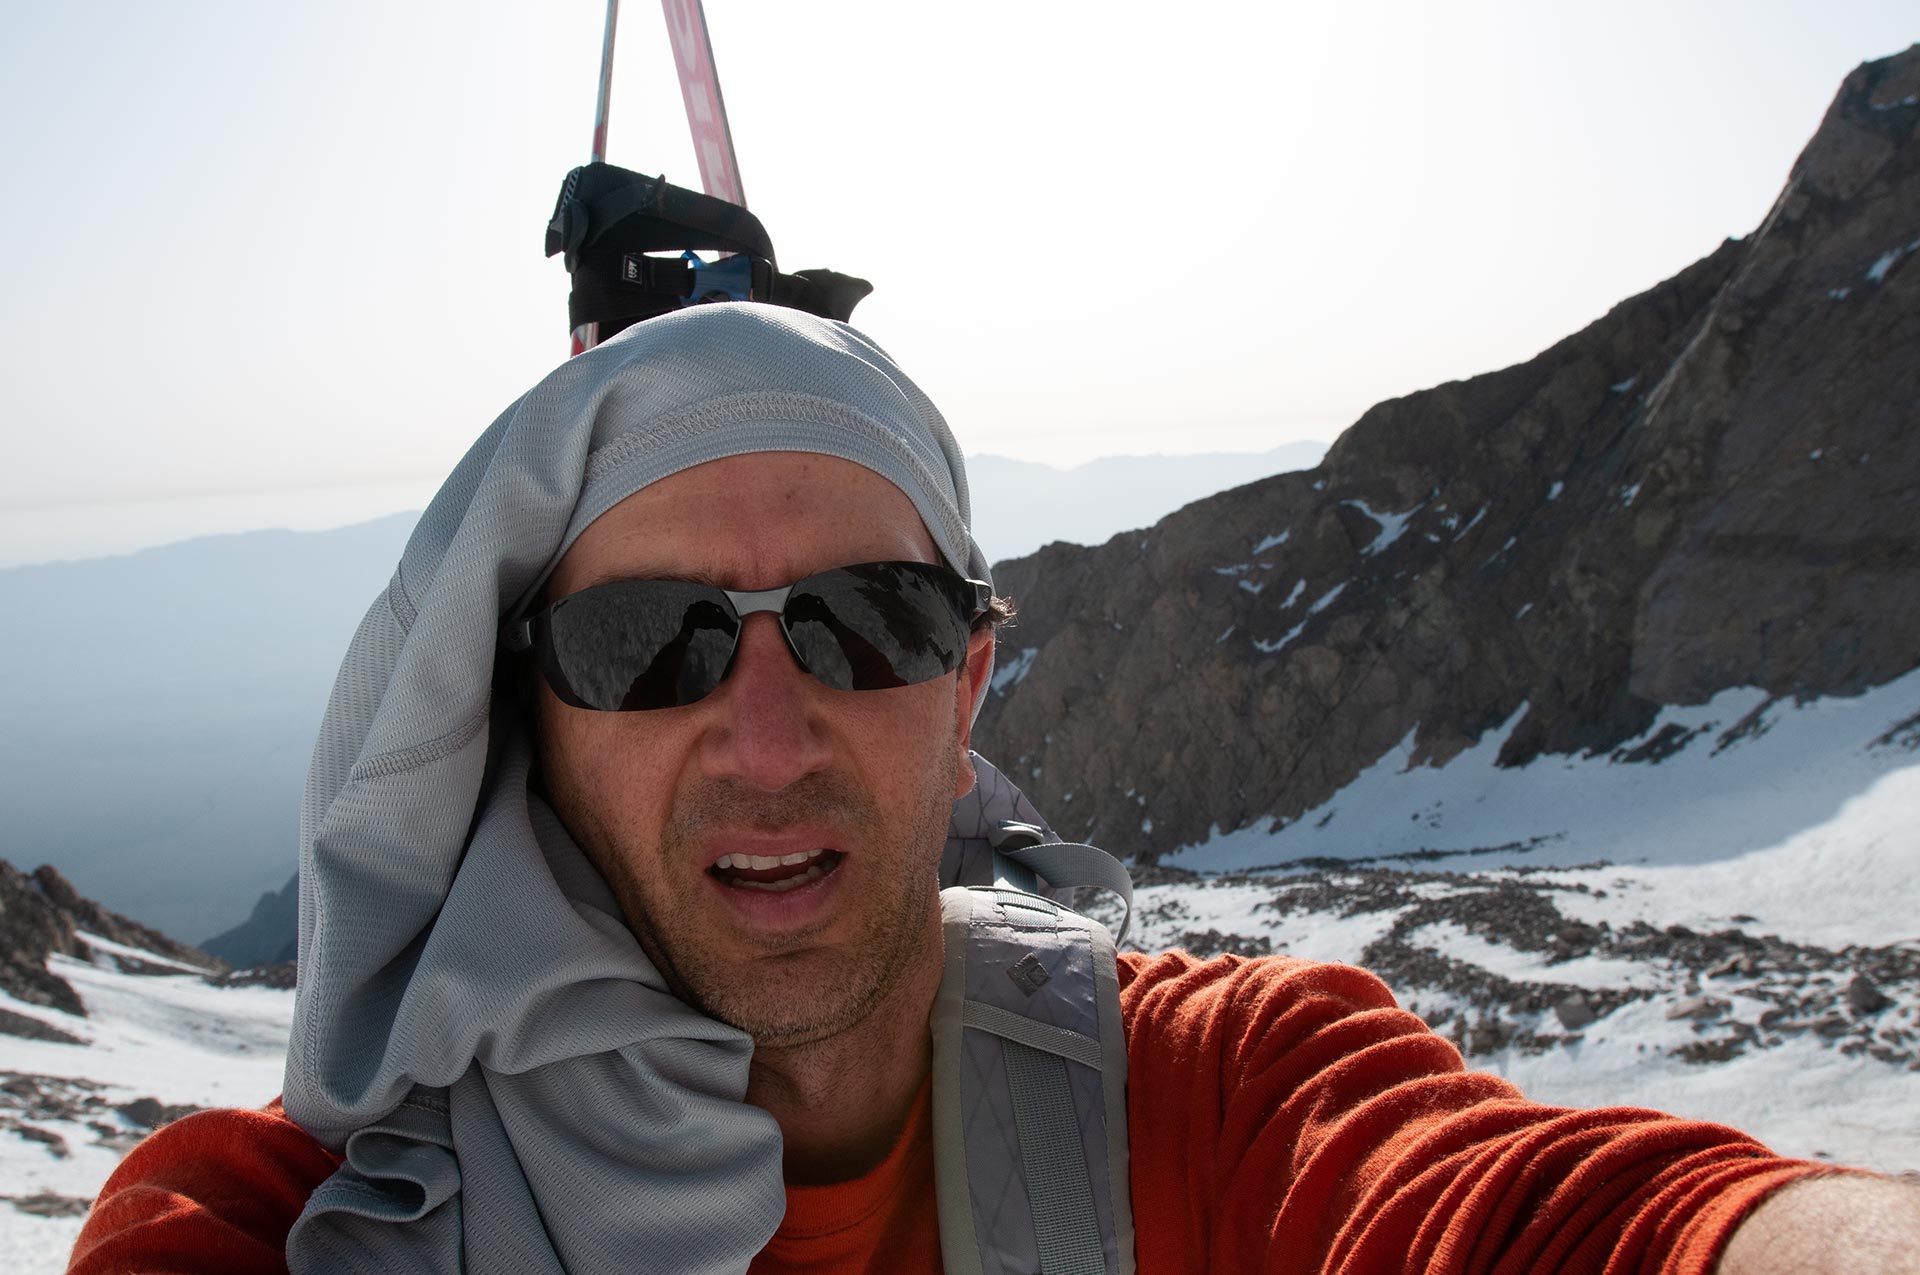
{"points": [[511, 1084]]}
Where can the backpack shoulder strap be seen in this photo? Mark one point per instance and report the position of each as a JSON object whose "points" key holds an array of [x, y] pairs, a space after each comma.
{"points": [[1029, 1091], [996, 837]]}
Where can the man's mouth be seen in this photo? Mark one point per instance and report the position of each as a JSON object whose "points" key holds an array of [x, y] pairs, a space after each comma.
{"points": [[775, 873]]}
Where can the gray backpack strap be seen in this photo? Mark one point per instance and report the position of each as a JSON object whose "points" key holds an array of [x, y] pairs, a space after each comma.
{"points": [[1029, 1091], [1071, 863], [996, 837], [992, 814]]}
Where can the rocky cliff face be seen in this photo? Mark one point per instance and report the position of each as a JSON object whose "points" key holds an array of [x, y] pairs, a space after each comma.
{"points": [[42, 914], [1712, 486]]}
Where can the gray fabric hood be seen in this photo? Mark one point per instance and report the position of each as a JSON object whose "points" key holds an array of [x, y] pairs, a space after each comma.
{"points": [[510, 1082]]}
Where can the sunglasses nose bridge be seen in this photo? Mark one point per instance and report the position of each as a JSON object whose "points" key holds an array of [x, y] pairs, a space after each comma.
{"points": [[748, 602]]}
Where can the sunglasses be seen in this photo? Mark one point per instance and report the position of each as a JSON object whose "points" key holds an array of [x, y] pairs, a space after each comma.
{"points": [[638, 644]]}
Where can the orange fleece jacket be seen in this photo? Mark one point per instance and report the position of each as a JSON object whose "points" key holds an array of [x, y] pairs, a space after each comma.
{"points": [[1283, 1116]]}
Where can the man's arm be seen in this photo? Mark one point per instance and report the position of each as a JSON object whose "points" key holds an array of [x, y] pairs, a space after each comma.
{"points": [[1842, 1224], [1286, 1116]]}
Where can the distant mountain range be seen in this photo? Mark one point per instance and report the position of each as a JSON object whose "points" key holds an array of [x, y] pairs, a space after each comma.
{"points": [[161, 707]]}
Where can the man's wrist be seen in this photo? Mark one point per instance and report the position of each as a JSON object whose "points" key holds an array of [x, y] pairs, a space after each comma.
{"points": [[1839, 1222]]}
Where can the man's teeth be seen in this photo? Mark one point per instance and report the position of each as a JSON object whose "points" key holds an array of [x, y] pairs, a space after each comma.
{"points": [[763, 862], [814, 873], [812, 865]]}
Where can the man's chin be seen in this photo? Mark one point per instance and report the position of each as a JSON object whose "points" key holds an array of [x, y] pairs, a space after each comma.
{"points": [[788, 1020], [793, 999], [806, 1001]]}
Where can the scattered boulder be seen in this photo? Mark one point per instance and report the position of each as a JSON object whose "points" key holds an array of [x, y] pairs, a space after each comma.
{"points": [[1865, 997], [1488, 1035], [151, 1113], [1574, 1013], [24, 1096], [1699, 1008], [48, 1204], [1741, 963], [1211, 942], [1833, 1023], [1702, 1052], [28, 1027], [54, 1143]]}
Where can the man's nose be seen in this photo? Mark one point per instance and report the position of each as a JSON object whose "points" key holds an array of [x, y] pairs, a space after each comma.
{"points": [[766, 728]]}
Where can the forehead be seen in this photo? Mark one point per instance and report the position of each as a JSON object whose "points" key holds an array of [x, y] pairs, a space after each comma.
{"points": [[748, 522]]}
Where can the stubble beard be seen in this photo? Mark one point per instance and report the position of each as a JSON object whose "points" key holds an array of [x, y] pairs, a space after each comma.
{"points": [[799, 991]]}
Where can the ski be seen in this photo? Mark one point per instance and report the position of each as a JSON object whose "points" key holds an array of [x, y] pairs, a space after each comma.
{"points": [[587, 335], [706, 109]]}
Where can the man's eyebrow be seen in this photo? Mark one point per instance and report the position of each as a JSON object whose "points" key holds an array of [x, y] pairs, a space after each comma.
{"points": [[694, 576]]}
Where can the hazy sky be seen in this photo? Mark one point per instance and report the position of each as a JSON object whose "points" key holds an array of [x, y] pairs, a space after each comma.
{"points": [[257, 248]]}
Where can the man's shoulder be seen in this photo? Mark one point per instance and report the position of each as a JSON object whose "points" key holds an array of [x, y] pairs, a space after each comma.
{"points": [[1181, 974], [1179, 995], [224, 1184]]}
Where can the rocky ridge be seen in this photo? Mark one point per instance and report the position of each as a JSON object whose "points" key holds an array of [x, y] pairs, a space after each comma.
{"points": [[42, 914], [1709, 487]]}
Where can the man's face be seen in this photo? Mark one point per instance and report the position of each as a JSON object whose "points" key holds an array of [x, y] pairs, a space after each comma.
{"points": [[771, 765]]}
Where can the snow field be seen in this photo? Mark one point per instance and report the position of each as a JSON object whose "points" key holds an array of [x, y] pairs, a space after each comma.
{"points": [[1776, 820], [175, 1038], [170, 1037], [1803, 781], [38, 1245], [1801, 1098]]}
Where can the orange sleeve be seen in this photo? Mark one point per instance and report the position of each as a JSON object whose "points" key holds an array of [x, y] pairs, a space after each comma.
{"points": [[212, 1194], [1288, 1116]]}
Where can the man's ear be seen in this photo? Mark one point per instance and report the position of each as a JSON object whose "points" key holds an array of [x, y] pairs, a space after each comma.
{"points": [[973, 686]]}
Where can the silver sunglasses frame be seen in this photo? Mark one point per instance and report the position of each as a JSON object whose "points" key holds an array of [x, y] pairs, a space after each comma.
{"points": [[517, 635]]}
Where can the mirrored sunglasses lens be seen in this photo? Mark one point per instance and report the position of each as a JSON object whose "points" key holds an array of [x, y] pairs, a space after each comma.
{"points": [[641, 644], [880, 624]]}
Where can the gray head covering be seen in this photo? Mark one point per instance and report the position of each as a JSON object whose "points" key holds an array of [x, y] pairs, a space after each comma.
{"points": [[512, 1085]]}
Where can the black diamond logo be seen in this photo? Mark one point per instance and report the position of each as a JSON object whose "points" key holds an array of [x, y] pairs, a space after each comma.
{"points": [[1028, 974]]}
